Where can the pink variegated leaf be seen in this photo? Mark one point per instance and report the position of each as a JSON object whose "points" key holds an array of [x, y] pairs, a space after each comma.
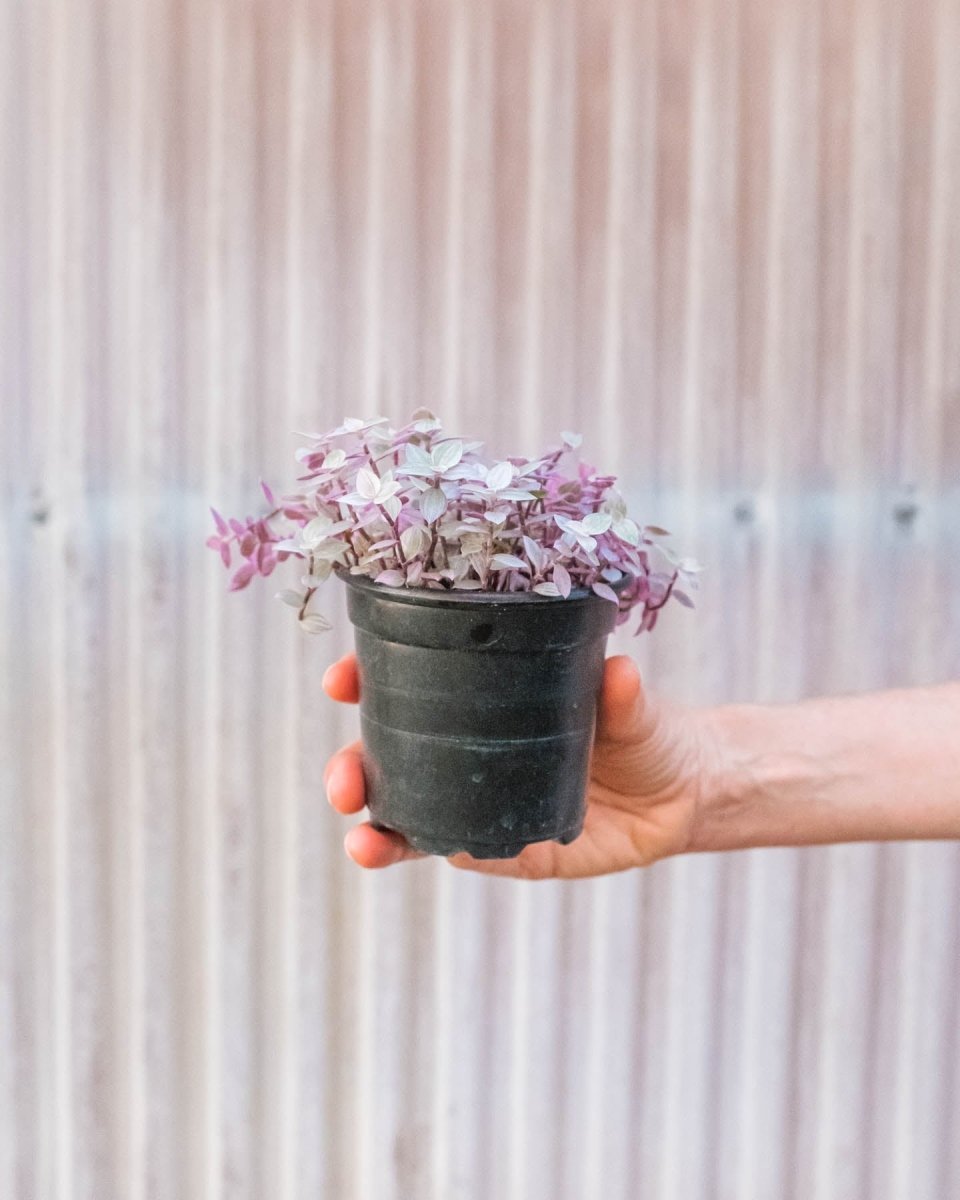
{"points": [[561, 577], [391, 578], [242, 577], [606, 592], [509, 562]]}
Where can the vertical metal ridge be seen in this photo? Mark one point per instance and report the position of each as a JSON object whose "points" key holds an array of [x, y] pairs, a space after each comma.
{"points": [[941, 356], [126, 300], [536, 192], [455, 283], [51, 819], [278, 156], [202, 995], [378, 77], [19, 529], [615, 313]]}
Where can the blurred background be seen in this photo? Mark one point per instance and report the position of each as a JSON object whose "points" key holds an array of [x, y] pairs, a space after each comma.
{"points": [[719, 237]]}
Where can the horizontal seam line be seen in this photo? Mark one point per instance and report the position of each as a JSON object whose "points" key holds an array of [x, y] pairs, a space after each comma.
{"points": [[456, 737], [477, 647]]}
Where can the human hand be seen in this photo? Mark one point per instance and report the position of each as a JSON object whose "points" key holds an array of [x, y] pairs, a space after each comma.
{"points": [[648, 769]]}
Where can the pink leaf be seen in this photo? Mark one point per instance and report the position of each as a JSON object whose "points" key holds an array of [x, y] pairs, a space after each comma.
{"points": [[606, 592], [242, 577], [561, 577], [391, 578], [225, 554], [222, 526], [267, 493]]}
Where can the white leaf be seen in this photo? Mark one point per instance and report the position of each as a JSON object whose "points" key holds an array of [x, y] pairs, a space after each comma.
{"points": [[510, 493], [447, 455], [433, 504], [330, 551], [497, 516], [535, 553], [499, 476], [606, 592], [315, 530], [368, 484], [323, 571], [289, 596], [689, 566], [611, 574], [573, 440], [509, 562], [388, 488], [547, 589], [468, 585], [627, 531], [391, 578], [413, 540], [598, 522], [417, 457], [467, 470], [561, 577], [335, 459], [315, 623], [392, 507]]}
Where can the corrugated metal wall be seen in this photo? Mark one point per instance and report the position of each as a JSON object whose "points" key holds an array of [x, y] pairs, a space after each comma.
{"points": [[723, 239]]}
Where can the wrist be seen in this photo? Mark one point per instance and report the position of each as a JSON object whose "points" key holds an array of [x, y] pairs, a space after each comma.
{"points": [[764, 786], [727, 780]]}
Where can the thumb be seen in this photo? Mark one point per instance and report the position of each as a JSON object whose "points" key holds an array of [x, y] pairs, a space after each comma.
{"points": [[625, 712]]}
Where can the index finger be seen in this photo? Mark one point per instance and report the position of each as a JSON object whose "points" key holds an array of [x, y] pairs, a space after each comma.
{"points": [[341, 680]]}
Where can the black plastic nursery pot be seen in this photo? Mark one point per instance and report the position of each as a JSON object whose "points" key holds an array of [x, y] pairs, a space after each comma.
{"points": [[477, 713]]}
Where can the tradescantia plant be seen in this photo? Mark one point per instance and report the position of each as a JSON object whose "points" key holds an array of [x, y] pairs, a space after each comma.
{"points": [[417, 508]]}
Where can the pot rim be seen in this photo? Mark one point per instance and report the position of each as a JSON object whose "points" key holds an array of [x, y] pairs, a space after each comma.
{"points": [[456, 599]]}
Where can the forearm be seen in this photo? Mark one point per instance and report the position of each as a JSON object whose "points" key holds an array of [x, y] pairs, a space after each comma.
{"points": [[877, 767]]}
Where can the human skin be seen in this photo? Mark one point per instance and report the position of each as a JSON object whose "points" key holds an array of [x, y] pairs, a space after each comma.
{"points": [[666, 779]]}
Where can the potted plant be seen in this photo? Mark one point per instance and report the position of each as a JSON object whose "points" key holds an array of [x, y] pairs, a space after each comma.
{"points": [[482, 594]]}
